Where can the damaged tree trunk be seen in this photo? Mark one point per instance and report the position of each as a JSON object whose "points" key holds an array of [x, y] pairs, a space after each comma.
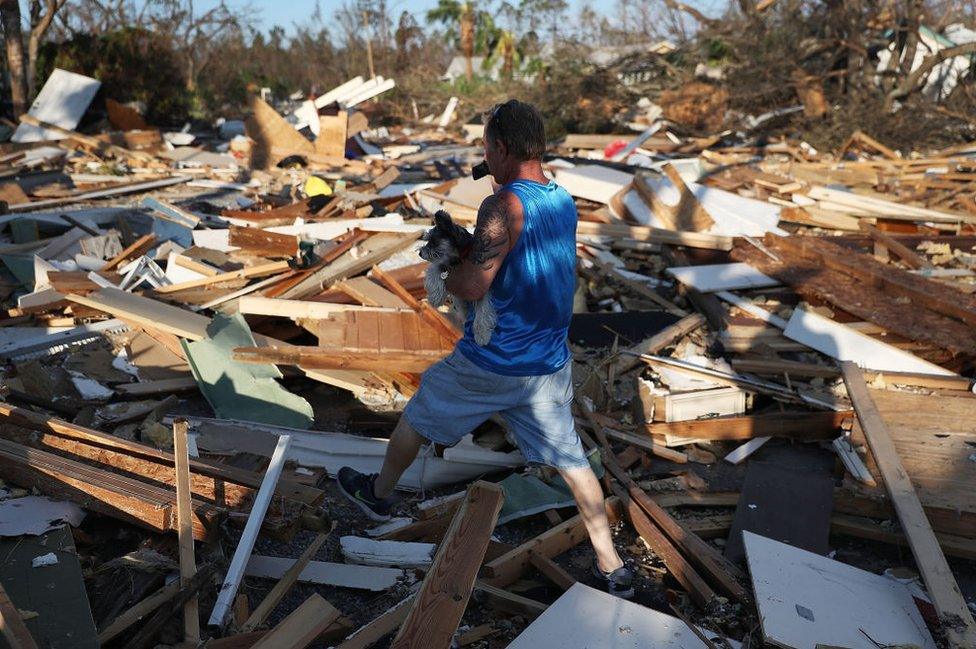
{"points": [[908, 85], [10, 16]]}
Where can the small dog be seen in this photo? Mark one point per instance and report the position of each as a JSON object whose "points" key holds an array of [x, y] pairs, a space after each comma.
{"points": [[445, 243]]}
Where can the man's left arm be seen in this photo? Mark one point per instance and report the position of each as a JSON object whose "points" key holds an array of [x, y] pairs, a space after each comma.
{"points": [[471, 279]]}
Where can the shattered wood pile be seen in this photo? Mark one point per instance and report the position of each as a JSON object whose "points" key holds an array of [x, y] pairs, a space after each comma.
{"points": [[766, 367]]}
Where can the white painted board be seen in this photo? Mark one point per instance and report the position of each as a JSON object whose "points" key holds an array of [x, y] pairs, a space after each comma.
{"points": [[586, 618], [593, 182], [847, 344], [836, 601], [62, 101], [325, 573], [721, 277], [373, 552]]}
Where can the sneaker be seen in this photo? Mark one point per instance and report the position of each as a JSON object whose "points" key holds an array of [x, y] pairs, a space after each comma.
{"points": [[620, 582], [358, 487]]}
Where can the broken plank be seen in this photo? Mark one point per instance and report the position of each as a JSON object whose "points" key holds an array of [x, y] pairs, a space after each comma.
{"points": [[153, 388], [655, 235], [551, 570], [139, 246], [799, 425], [439, 605], [302, 626], [299, 309], [508, 602], [379, 627], [342, 358], [260, 270], [263, 243], [184, 517], [281, 588], [667, 336], [139, 611], [12, 624], [948, 600], [908, 256]]}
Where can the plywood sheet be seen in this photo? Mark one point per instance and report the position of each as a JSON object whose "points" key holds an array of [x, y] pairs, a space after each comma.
{"points": [[62, 101], [325, 573], [805, 600]]}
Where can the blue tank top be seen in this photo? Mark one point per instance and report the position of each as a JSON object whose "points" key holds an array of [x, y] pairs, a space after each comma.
{"points": [[533, 290]]}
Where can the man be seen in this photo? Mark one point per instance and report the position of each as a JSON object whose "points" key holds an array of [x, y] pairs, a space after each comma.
{"points": [[524, 253]]}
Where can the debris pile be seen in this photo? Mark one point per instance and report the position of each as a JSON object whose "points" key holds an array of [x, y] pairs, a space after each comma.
{"points": [[773, 352]]}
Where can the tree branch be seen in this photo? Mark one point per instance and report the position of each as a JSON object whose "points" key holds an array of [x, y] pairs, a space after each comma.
{"points": [[921, 71]]}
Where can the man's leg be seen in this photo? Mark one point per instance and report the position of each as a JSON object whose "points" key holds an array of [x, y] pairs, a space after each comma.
{"points": [[405, 443], [589, 499]]}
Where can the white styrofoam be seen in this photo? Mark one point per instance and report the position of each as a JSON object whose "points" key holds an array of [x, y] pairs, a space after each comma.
{"points": [[62, 101]]}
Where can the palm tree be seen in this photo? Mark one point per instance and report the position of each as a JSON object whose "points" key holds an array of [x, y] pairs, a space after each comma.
{"points": [[506, 49], [476, 30]]}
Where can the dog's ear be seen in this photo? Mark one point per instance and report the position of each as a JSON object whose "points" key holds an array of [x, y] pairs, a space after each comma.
{"points": [[457, 234]]}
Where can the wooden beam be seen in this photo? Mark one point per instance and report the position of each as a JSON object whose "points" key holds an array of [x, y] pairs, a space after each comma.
{"points": [[436, 612], [686, 215], [302, 626], [12, 625], [796, 368], [184, 517], [799, 425], [655, 235], [667, 336], [344, 359], [551, 570], [507, 568], [908, 256], [147, 635], [955, 616], [299, 309], [263, 243], [444, 326], [506, 602], [380, 627], [646, 444], [281, 588], [260, 270], [138, 247], [135, 613]]}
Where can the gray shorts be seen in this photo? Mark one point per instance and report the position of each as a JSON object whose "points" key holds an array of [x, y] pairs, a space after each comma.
{"points": [[456, 396]]}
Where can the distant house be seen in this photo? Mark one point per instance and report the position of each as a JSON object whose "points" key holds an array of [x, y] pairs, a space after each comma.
{"points": [[946, 75], [457, 68]]}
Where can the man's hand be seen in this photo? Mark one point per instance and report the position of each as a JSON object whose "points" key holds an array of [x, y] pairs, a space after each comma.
{"points": [[499, 223]]}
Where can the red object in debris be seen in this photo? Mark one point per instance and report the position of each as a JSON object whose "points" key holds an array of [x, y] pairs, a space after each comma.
{"points": [[614, 148]]}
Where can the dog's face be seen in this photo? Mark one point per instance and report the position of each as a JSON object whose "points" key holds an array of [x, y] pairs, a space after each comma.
{"points": [[443, 241]]}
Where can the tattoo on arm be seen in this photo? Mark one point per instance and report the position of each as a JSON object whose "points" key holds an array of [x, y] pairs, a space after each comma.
{"points": [[490, 234]]}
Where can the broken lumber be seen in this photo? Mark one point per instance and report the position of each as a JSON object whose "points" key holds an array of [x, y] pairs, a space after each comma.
{"points": [[184, 514], [799, 425], [281, 588], [954, 614], [139, 611], [260, 270], [380, 627], [660, 340], [655, 235], [344, 359], [12, 625], [439, 605], [302, 626], [686, 215], [263, 243]]}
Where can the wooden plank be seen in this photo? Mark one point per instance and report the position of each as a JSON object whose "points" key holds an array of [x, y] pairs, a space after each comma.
{"points": [[138, 247], [686, 215], [369, 293], [701, 593], [799, 425], [380, 627], [302, 626], [908, 256], [125, 620], [260, 270], [12, 625], [346, 358], [659, 341], [281, 588], [299, 309], [263, 243], [235, 572], [507, 602], [435, 614], [184, 517], [147, 634], [507, 568], [647, 444], [551, 570], [655, 235], [153, 388], [100, 441], [943, 590], [922, 291]]}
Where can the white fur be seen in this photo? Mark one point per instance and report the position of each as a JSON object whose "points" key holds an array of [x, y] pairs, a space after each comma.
{"points": [[485, 317]]}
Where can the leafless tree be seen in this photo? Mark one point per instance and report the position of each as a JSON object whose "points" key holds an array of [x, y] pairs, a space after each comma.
{"points": [[42, 14]]}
